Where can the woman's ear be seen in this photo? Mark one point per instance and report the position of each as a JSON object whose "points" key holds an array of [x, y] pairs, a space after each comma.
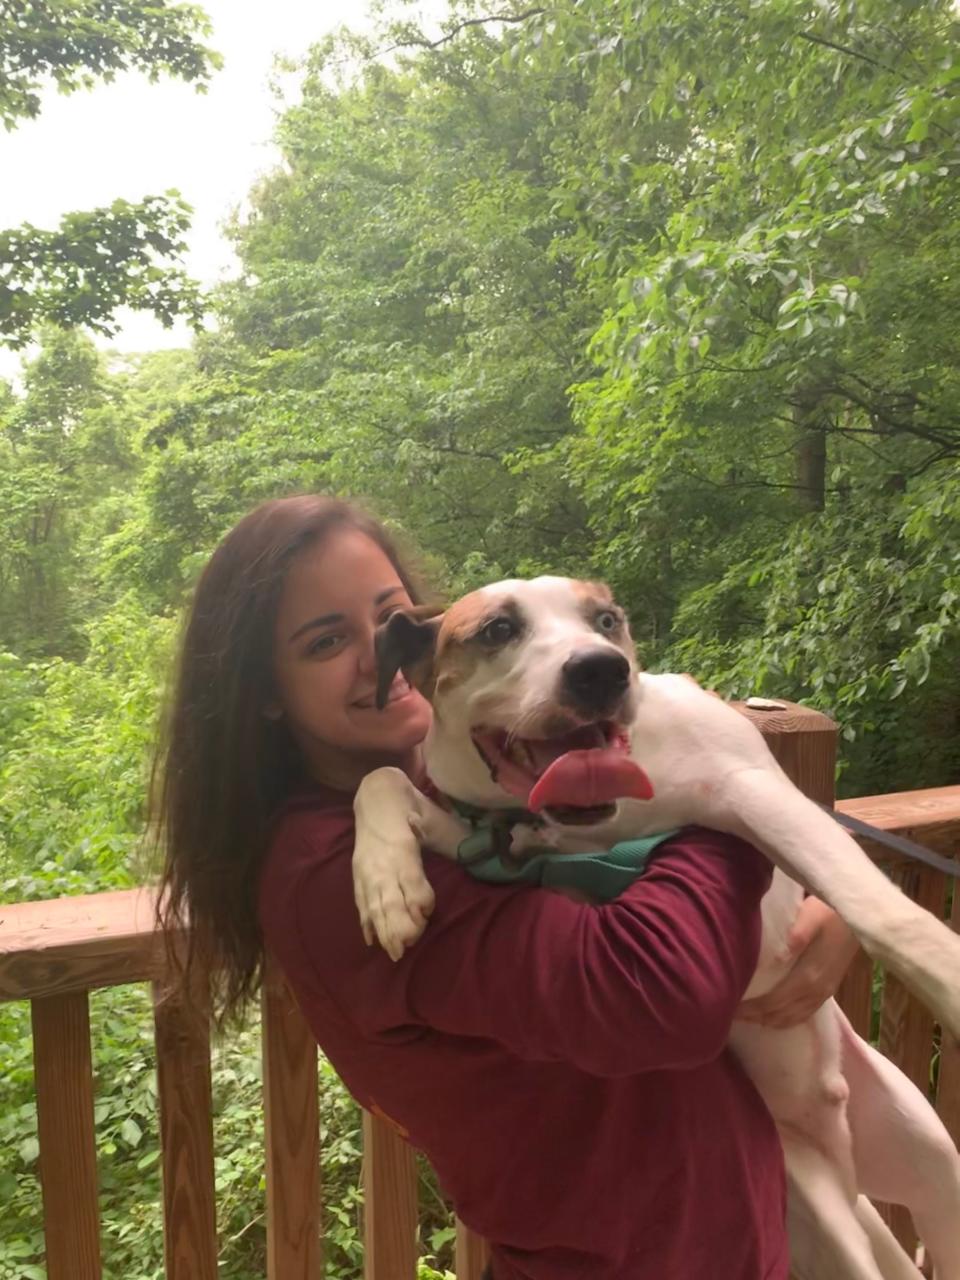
{"points": [[407, 642]]}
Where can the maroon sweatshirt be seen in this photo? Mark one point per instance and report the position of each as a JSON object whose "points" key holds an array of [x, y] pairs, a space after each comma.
{"points": [[561, 1065]]}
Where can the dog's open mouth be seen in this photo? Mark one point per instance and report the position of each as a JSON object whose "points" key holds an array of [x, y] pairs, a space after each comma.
{"points": [[577, 777]]}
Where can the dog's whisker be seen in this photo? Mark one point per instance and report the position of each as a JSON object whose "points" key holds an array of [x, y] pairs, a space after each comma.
{"points": [[528, 719]]}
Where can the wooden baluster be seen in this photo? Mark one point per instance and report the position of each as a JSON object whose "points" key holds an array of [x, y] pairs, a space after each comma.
{"points": [[68, 1159], [186, 1138], [948, 1086], [390, 1203], [292, 1135], [906, 1027], [855, 995], [471, 1255]]}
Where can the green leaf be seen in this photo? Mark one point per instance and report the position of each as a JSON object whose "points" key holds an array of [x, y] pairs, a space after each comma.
{"points": [[29, 1150], [131, 1132]]}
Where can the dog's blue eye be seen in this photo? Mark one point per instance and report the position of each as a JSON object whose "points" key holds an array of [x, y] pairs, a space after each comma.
{"points": [[606, 621], [498, 631]]}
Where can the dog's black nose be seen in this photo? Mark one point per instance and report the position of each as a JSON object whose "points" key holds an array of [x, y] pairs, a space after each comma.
{"points": [[595, 679]]}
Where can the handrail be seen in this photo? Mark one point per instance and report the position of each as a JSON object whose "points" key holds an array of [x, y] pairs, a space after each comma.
{"points": [[931, 817], [80, 943], [95, 940], [54, 952]]}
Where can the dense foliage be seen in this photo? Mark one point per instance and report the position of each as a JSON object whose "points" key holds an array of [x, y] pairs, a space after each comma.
{"points": [[661, 291], [122, 255]]}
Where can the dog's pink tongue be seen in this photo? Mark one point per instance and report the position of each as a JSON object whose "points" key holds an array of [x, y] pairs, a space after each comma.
{"points": [[587, 778]]}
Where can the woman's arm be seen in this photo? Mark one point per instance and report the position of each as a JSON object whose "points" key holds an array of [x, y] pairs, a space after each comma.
{"points": [[649, 981]]}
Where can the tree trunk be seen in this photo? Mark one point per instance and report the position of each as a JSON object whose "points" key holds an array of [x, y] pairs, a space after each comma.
{"points": [[810, 450]]}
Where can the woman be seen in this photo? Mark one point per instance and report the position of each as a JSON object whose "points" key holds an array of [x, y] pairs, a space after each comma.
{"points": [[562, 1065]]}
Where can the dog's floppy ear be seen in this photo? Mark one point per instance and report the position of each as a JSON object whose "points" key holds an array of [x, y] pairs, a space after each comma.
{"points": [[406, 642]]}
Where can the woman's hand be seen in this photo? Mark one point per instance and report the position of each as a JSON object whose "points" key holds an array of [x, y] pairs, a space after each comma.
{"points": [[823, 947]]}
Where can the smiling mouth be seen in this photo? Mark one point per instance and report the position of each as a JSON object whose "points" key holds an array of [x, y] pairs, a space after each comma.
{"points": [[575, 777], [399, 689]]}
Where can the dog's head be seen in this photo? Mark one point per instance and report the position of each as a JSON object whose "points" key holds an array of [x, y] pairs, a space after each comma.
{"points": [[533, 689]]}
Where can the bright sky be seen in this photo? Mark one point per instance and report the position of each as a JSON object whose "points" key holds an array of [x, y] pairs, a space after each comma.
{"points": [[133, 138]]}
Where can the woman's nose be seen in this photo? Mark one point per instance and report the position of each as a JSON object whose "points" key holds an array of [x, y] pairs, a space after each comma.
{"points": [[367, 653]]}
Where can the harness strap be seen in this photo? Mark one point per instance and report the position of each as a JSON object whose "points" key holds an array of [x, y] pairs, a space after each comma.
{"points": [[602, 874], [491, 834], [900, 844], [490, 830]]}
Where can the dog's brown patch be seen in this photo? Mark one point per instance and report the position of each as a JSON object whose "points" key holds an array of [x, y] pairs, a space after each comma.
{"points": [[465, 618], [456, 658], [595, 594]]}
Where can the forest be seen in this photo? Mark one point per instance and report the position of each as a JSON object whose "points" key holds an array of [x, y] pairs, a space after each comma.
{"points": [[663, 292]]}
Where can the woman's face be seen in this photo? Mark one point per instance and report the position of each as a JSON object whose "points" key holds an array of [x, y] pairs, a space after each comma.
{"points": [[335, 596]]}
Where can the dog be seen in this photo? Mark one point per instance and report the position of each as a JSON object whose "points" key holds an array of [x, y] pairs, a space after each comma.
{"points": [[538, 700]]}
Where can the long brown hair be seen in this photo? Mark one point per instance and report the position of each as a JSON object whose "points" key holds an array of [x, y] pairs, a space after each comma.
{"points": [[224, 768]]}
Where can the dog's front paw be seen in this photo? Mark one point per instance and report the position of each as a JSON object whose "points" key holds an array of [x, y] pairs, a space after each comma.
{"points": [[393, 896]]}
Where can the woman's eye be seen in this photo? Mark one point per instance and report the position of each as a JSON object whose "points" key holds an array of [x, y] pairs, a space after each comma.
{"points": [[498, 631], [323, 644], [606, 621]]}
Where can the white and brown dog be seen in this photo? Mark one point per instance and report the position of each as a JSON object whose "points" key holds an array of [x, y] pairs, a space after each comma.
{"points": [[537, 699]]}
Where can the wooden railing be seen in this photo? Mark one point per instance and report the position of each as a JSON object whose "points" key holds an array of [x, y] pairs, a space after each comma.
{"points": [[54, 953]]}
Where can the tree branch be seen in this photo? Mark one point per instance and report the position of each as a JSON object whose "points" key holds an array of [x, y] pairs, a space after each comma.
{"points": [[842, 48], [461, 26], [932, 461], [878, 411]]}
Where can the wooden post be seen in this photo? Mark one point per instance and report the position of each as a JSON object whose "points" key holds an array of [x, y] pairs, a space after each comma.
{"points": [[68, 1159], [389, 1203], [471, 1254], [186, 1138], [292, 1135], [804, 744]]}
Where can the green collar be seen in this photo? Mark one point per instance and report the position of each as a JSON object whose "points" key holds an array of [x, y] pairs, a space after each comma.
{"points": [[602, 875]]}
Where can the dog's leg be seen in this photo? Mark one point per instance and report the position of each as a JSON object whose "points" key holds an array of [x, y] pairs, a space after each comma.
{"points": [[902, 1152], [827, 1240], [799, 1076], [891, 1259], [765, 808], [393, 819]]}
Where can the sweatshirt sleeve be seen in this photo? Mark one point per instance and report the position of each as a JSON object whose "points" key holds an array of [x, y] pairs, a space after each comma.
{"points": [[649, 981]]}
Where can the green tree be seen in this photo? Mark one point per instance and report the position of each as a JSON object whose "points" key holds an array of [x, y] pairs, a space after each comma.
{"points": [[659, 291], [766, 202], [100, 260], [65, 447], [408, 310]]}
